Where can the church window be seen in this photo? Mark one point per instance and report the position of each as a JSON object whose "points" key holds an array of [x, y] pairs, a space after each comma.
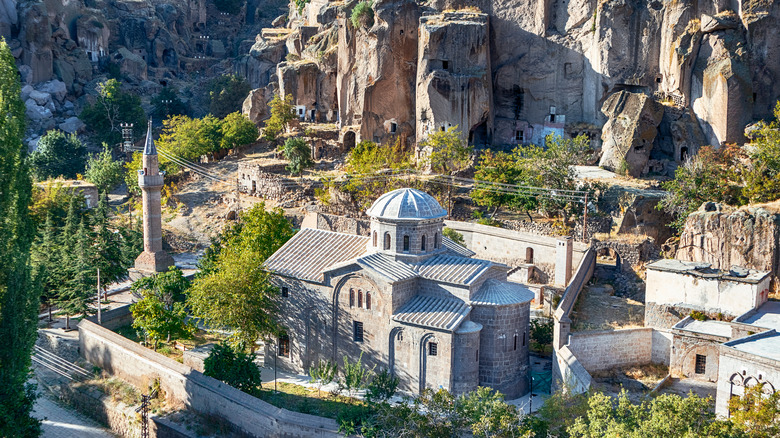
{"points": [[433, 349], [436, 241], [523, 339], [515, 347], [387, 240], [374, 239], [285, 292], [701, 364], [368, 300], [422, 244], [284, 345], [360, 298], [352, 298], [357, 331], [406, 243]]}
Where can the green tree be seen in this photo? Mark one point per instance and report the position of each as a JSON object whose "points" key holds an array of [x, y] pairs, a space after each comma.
{"points": [[236, 294], [45, 261], [454, 236], [167, 103], [323, 373], [298, 153], [52, 198], [103, 171], [281, 114], [488, 415], [541, 333], [58, 154], [160, 312], [79, 272], [234, 367], [757, 412], [229, 6], [497, 169], [237, 130], [710, 175], [189, 138], [106, 246], [447, 153], [112, 107], [382, 386], [226, 94], [18, 299], [762, 176]]}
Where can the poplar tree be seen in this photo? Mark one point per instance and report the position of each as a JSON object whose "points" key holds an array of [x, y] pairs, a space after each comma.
{"points": [[18, 300]]}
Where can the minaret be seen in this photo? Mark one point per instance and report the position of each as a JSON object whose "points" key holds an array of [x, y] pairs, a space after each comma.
{"points": [[153, 259]]}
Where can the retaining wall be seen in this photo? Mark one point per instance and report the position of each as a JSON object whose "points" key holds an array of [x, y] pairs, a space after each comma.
{"points": [[187, 387], [603, 350]]}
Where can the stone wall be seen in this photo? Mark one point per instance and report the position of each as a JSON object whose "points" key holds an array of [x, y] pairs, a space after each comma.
{"points": [[603, 350], [568, 373], [184, 386], [743, 367], [632, 255], [595, 225], [256, 182]]}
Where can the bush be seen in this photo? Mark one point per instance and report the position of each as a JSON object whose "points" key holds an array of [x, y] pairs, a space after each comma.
{"points": [[237, 130], [167, 104], [355, 376], [382, 386], [226, 94], [322, 374], [298, 153], [103, 171], [363, 14], [454, 236], [58, 154], [541, 333], [233, 367]]}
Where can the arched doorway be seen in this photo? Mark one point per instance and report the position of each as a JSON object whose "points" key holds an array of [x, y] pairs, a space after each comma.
{"points": [[608, 258], [425, 352], [349, 141]]}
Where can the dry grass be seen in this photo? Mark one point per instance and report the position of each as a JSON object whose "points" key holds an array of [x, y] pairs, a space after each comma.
{"points": [[200, 337]]}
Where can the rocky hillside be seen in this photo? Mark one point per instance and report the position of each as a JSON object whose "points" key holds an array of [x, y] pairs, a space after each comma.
{"points": [[661, 78], [724, 236]]}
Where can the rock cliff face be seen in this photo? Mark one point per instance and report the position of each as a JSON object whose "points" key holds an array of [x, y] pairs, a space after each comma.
{"points": [[748, 237]]}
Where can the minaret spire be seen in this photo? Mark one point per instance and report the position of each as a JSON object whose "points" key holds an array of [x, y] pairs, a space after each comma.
{"points": [[153, 259]]}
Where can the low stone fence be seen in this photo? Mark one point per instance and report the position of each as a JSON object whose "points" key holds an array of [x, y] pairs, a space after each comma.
{"points": [[184, 386], [596, 225], [603, 350], [256, 182]]}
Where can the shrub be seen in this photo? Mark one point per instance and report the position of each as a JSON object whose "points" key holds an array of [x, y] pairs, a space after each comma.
{"points": [[454, 236], [363, 14], [58, 154], [698, 316], [541, 332], [233, 367], [322, 374], [355, 376], [382, 386], [298, 153]]}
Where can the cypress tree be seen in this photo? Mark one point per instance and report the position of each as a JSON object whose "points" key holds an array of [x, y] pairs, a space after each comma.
{"points": [[107, 247], [47, 274], [18, 300], [76, 293]]}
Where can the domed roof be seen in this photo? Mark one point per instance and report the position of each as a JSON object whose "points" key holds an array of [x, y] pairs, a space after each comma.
{"points": [[406, 204]]}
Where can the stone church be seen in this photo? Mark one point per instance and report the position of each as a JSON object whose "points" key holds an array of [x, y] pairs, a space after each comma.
{"points": [[412, 301]]}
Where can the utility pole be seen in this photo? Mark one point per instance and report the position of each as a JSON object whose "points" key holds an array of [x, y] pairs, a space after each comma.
{"points": [[585, 220], [100, 319], [146, 400]]}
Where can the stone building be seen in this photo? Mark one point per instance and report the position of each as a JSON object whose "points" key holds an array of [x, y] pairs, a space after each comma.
{"points": [[410, 300], [153, 259], [675, 288]]}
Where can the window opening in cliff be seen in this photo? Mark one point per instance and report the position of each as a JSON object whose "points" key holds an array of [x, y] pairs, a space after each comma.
{"points": [[519, 136], [393, 127], [401, 32], [658, 79], [445, 65], [683, 154], [254, 186], [479, 135]]}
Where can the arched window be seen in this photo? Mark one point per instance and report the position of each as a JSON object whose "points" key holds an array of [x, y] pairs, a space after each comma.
{"points": [[352, 298], [422, 244], [406, 243], [436, 241], [515, 347], [374, 239], [387, 240], [360, 298], [368, 300]]}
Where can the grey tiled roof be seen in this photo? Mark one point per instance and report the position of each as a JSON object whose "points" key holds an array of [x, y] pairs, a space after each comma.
{"points": [[455, 248], [310, 251], [440, 313], [452, 269], [406, 204], [385, 265], [500, 293]]}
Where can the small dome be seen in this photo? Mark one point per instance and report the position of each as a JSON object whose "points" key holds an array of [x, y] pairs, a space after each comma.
{"points": [[406, 204]]}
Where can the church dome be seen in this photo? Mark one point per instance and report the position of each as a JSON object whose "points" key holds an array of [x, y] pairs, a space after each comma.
{"points": [[406, 204]]}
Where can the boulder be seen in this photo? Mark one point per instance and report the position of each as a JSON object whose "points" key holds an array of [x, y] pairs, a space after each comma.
{"points": [[723, 21], [26, 90], [628, 135], [255, 106], [35, 112], [40, 97], [56, 88], [64, 70], [26, 74], [72, 125]]}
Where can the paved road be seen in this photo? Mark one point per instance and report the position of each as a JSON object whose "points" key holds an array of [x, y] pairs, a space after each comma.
{"points": [[62, 422]]}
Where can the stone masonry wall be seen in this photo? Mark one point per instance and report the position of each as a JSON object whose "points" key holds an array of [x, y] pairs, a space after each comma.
{"points": [[184, 386], [603, 350]]}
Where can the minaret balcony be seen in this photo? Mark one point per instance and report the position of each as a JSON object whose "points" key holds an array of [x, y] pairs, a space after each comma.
{"points": [[149, 180]]}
